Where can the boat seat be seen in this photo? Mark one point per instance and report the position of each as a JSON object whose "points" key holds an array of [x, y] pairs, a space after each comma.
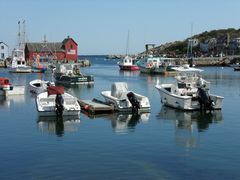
{"points": [[119, 90]]}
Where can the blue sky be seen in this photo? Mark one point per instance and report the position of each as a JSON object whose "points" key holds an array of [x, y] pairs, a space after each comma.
{"points": [[101, 26]]}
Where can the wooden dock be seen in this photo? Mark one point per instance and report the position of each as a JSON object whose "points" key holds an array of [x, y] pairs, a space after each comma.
{"points": [[95, 106]]}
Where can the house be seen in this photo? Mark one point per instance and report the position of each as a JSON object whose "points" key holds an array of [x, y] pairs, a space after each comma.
{"points": [[234, 43], [67, 50], [208, 45], [4, 51]]}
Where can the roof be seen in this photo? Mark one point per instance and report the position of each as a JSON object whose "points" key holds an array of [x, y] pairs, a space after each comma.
{"points": [[67, 39], [45, 47], [3, 43]]}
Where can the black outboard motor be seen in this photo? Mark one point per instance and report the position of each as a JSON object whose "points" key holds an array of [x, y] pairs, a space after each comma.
{"points": [[133, 100], [204, 99], [59, 105]]}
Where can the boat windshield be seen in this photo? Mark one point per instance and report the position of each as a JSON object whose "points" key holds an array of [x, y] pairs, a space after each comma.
{"points": [[18, 53]]}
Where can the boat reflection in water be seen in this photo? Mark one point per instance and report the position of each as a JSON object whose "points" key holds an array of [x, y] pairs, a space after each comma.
{"points": [[58, 125], [124, 122], [128, 73], [10, 100], [189, 124]]}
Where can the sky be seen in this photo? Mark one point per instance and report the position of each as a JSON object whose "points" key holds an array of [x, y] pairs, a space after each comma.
{"points": [[102, 26]]}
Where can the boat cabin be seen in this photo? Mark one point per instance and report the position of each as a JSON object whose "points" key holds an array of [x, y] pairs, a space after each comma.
{"points": [[5, 84]]}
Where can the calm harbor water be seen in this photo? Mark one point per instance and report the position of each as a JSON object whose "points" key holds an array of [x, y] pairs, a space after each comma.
{"points": [[162, 144]]}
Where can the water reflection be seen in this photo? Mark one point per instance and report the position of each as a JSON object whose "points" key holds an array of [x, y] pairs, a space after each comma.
{"points": [[58, 125], [10, 100], [128, 73], [4, 102], [189, 124], [124, 122]]}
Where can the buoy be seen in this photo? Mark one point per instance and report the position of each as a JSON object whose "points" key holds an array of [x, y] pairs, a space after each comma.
{"points": [[86, 107]]}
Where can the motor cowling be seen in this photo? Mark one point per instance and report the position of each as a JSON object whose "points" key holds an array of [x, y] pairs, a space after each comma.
{"points": [[133, 100], [204, 99], [59, 105]]}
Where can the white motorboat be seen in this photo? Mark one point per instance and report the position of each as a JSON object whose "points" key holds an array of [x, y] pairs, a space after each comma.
{"points": [[125, 100], [19, 63], [190, 92], [38, 86], [56, 102]]}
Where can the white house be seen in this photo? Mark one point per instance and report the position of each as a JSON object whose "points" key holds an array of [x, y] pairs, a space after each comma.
{"points": [[3, 51]]}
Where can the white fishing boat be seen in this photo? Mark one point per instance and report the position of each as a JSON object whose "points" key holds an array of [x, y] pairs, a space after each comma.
{"points": [[56, 102], [156, 65], [70, 74], [18, 63], [38, 86], [189, 92], [128, 63], [125, 100]]}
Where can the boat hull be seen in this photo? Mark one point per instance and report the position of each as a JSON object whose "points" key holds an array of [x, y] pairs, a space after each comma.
{"points": [[129, 67], [160, 70], [38, 86], [45, 105], [70, 80], [65, 113], [185, 102], [20, 70], [124, 105]]}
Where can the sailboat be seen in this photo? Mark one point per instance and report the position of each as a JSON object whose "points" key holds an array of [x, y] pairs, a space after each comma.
{"points": [[128, 63], [18, 56]]}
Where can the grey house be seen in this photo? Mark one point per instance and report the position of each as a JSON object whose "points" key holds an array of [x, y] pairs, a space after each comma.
{"points": [[4, 51]]}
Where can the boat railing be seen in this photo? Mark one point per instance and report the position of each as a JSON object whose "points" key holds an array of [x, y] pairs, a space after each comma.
{"points": [[70, 101], [47, 101]]}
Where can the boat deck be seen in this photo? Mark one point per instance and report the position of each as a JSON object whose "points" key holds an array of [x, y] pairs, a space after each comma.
{"points": [[95, 106]]}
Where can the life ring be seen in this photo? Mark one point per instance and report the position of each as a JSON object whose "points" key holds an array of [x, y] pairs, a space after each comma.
{"points": [[150, 65]]}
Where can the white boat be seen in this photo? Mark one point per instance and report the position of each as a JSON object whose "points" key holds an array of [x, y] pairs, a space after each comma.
{"points": [[18, 63], [125, 100], [56, 102], [38, 86], [156, 65], [189, 92], [70, 74], [128, 63]]}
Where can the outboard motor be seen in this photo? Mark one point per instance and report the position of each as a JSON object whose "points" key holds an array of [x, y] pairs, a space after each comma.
{"points": [[133, 100], [204, 99], [59, 105]]}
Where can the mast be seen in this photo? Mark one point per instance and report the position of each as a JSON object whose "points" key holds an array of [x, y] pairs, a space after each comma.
{"points": [[127, 47], [19, 35], [190, 43], [190, 47], [24, 34]]}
